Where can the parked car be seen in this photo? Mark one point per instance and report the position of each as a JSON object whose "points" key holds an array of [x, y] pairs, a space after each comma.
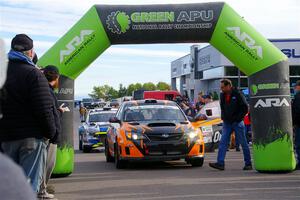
{"points": [[152, 130], [87, 103], [114, 103], [212, 126], [92, 132]]}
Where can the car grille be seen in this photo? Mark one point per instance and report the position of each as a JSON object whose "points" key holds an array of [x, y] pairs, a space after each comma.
{"points": [[164, 136]]}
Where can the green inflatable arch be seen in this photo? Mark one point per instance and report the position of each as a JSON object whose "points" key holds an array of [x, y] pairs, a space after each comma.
{"points": [[216, 23]]}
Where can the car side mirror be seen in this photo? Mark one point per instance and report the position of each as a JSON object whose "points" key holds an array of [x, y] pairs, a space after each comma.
{"points": [[114, 120]]}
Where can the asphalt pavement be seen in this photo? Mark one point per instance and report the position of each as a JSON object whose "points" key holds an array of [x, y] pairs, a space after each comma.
{"points": [[93, 178]]}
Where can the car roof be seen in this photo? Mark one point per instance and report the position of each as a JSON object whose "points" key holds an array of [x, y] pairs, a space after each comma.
{"points": [[149, 102], [103, 110]]}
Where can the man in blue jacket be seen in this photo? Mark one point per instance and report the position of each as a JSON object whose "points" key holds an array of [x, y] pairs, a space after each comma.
{"points": [[28, 120], [233, 109]]}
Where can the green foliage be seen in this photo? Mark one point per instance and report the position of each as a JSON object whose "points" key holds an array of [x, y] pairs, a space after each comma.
{"points": [[107, 92], [163, 86], [122, 91], [133, 87], [149, 86]]}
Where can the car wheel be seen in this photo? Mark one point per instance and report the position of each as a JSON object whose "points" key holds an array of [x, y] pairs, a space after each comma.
{"points": [[80, 142], [86, 149], [196, 162], [109, 158], [120, 164]]}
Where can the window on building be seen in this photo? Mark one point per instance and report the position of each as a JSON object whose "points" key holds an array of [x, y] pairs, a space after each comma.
{"points": [[295, 70], [231, 71], [198, 75], [235, 82]]}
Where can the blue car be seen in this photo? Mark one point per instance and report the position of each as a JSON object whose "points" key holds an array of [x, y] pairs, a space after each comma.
{"points": [[93, 130]]}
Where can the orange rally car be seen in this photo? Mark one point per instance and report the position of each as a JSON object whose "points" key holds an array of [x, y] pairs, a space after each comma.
{"points": [[153, 130]]}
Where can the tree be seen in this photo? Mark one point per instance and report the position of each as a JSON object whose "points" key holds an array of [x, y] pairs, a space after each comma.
{"points": [[105, 92], [122, 90], [149, 86], [133, 87], [138, 86], [163, 86], [130, 89]]}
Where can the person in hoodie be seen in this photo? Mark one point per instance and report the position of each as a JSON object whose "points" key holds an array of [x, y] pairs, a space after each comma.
{"points": [[28, 119]]}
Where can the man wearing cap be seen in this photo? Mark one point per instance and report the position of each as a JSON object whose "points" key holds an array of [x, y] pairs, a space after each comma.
{"points": [[52, 75], [28, 120]]}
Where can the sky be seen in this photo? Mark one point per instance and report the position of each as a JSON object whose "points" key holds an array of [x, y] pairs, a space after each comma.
{"points": [[45, 21]]}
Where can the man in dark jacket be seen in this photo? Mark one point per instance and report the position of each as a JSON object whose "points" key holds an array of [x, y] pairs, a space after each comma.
{"points": [[296, 121], [233, 109], [28, 120]]}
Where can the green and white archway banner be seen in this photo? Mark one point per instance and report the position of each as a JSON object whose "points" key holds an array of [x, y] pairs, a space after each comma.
{"points": [[216, 23]]}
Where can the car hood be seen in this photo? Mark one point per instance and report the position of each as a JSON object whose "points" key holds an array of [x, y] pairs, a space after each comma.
{"points": [[157, 127], [99, 126], [208, 122]]}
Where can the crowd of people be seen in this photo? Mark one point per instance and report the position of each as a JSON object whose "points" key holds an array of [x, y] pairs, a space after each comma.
{"points": [[31, 123]]}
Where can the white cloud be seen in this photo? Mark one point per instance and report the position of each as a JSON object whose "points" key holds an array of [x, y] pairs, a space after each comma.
{"points": [[145, 52]]}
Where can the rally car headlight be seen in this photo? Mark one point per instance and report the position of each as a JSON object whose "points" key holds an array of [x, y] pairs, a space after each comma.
{"points": [[134, 136], [192, 134]]}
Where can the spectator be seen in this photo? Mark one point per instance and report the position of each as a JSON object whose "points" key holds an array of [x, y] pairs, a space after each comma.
{"points": [[200, 103], [28, 120], [247, 122], [52, 75], [207, 98], [233, 109], [296, 121], [82, 112], [188, 109]]}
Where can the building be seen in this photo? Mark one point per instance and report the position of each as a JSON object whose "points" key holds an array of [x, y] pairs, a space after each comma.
{"points": [[203, 68]]}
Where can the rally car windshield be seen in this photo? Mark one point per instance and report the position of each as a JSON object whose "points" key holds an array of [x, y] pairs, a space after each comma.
{"points": [[100, 117], [153, 113]]}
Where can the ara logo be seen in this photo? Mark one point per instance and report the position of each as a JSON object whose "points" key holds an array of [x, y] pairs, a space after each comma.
{"points": [[75, 42], [244, 37], [271, 102], [118, 22]]}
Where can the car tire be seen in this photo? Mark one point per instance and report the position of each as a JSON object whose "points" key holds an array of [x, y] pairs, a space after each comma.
{"points": [[86, 149], [120, 164], [196, 162], [109, 158], [80, 142]]}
